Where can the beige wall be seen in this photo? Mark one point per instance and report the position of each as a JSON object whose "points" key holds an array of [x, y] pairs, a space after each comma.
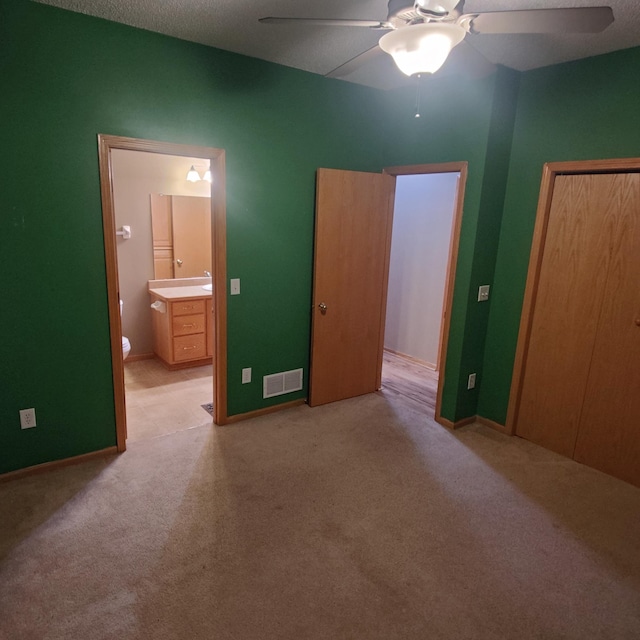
{"points": [[137, 174], [423, 214]]}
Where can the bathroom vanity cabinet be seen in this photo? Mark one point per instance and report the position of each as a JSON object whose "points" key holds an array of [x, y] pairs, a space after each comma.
{"points": [[182, 332]]}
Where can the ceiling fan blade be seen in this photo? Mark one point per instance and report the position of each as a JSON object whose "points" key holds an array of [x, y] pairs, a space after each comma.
{"points": [[355, 63], [467, 60], [573, 20], [371, 24]]}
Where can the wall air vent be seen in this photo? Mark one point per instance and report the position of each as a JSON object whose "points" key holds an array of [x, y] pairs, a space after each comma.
{"points": [[278, 384]]}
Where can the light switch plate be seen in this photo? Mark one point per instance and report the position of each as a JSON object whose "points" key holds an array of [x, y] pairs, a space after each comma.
{"points": [[483, 293], [246, 375], [235, 286]]}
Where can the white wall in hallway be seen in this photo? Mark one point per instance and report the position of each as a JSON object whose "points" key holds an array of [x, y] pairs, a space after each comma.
{"points": [[422, 219]]}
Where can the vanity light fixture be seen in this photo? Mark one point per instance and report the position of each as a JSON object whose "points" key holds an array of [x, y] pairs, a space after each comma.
{"points": [[193, 175]]}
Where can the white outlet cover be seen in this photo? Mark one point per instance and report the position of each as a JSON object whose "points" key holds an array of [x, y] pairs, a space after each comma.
{"points": [[246, 375], [27, 418], [235, 286]]}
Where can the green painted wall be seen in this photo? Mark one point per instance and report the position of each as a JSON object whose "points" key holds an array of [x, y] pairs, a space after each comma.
{"points": [[583, 110], [66, 77], [468, 121]]}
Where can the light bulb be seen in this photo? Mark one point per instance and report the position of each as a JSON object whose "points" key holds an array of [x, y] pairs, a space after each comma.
{"points": [[421, 48], [193, 175]]}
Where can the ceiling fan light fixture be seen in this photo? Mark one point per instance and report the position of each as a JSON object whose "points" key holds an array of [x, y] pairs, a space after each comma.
{"points": [[437, 6], [422, 48]]}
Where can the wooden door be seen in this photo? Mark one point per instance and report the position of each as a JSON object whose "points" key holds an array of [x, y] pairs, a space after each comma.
{"points": [[563, 331], [581, 385], [162, 236], [191, 222], [609, 434], [209, 326], [351, 263]]}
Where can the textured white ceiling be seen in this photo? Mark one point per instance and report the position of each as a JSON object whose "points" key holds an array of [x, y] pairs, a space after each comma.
{"points": [[233, 25]]}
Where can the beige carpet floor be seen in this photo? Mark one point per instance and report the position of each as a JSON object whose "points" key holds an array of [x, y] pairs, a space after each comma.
{"points": [[361, 519]]}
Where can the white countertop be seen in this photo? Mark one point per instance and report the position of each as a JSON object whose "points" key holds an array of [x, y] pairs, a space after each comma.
{"points": [[180, 293]]}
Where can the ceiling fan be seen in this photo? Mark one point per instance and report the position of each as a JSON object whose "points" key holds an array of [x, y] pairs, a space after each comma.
{"points": [[422, 34]]}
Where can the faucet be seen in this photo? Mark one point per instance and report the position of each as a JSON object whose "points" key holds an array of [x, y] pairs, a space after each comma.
{"points": [[207, 273]]}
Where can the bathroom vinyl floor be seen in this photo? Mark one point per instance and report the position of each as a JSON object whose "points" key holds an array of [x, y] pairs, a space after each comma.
{"points": [[160, 401]]}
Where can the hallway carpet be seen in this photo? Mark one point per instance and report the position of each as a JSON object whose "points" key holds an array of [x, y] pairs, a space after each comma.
{"points": [[360, 519]]}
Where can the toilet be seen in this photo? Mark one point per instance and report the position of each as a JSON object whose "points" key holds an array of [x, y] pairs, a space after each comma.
{"points": [[126, 345]]}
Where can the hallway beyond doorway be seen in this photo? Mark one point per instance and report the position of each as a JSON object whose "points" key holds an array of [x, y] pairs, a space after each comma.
{"points": [[415, 382]]}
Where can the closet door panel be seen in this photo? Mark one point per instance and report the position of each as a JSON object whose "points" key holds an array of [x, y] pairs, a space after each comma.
{"points": [[609, 433], [569, 297]]}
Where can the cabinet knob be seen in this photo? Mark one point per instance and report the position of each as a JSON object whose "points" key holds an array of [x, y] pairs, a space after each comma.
{"points": [[637, 322]]}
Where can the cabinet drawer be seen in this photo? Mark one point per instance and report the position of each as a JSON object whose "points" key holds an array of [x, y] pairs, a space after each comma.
{"points": [[185, 325], [189, 347], [187, 307]]}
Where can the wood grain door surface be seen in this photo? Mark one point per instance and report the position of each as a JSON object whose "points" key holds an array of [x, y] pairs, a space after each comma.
{"points": [[581, 387], [570, 292], [352, 240], [191, 225], [162, 236], [609, 435]]}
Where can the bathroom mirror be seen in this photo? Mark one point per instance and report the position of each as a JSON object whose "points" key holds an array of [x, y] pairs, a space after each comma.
{"points": [[181, 232]]}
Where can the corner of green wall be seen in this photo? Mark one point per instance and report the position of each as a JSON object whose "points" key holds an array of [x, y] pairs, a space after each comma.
{"points": [[581, 110], [494, 181]]}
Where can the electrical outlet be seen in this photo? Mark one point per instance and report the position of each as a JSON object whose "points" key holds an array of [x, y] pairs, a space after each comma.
{"points": [[235, 286], [27, 418], [246, 375], [483, 293], [471, 382]]}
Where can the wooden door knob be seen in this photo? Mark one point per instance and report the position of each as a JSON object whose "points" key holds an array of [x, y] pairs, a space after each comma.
{"points": [[637, 322]]}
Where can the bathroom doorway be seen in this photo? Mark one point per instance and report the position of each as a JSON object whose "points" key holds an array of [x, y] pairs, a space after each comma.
{"points": [[142, 371]]}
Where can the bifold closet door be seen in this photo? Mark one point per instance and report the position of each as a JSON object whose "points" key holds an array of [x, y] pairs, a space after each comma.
{"points": [[565, 319], [609, 433]]}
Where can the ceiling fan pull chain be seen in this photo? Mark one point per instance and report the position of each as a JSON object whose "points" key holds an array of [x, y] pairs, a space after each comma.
{"points": [[418, 88]]}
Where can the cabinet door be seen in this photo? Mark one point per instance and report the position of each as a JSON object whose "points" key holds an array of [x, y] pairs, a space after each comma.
{"points": [[609, 434], [161, 220], [162, 263], [570, 293]]}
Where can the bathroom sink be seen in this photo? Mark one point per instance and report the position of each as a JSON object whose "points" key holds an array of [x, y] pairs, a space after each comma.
{"points": [[207, 287]]}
